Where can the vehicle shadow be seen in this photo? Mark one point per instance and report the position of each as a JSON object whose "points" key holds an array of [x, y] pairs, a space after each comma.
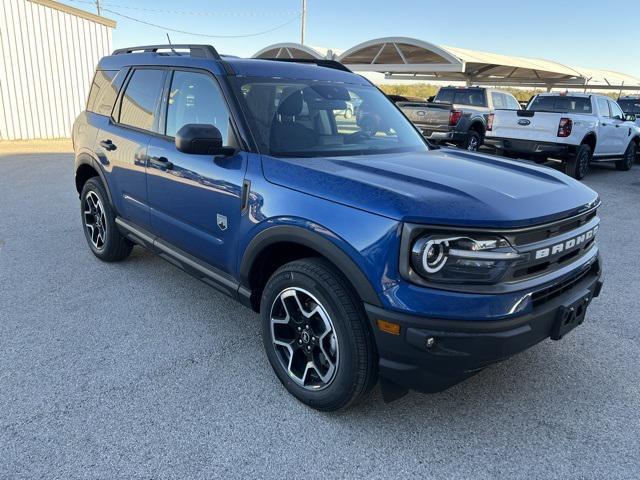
{"points": [[535, 378]]}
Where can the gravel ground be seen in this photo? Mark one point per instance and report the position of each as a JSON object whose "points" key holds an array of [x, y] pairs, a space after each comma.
{"points": [[136, 370]]}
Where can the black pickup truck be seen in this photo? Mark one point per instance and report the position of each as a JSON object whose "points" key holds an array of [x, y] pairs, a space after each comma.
{"points": [[458, 115]]}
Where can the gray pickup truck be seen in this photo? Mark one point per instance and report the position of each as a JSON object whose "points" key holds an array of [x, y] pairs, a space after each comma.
{"points": [[631, 106], [458, 115]]}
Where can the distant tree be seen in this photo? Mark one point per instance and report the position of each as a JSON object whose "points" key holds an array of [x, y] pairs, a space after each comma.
{"points": [[425, 90]]}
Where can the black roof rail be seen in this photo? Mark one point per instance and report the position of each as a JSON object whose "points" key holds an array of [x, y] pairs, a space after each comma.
{"points": [[199, 51], [195, 51], [316, 61]]}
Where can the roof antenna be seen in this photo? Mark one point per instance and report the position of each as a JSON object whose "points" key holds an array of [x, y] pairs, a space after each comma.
{"points": [[171, 45]]}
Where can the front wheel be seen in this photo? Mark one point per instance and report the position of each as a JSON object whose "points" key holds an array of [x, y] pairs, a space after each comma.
{"points": [[626, 162], [316, 335], [578, 165]]}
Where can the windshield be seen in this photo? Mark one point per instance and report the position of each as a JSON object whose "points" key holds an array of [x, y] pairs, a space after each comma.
{"points": [[560, 104], [462, 96], [630, 105], [305, 118]]}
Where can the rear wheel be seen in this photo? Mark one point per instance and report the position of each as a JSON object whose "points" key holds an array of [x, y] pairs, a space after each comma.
{"points": [[578, 165], [316, 335], [474, 140], [99, 224], [626, 162]]}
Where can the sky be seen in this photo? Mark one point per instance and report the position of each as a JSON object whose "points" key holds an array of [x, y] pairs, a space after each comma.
{"points": [[588, 33]]}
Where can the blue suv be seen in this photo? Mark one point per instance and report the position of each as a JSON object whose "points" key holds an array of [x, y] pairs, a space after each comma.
{"points": [[369, 254]]}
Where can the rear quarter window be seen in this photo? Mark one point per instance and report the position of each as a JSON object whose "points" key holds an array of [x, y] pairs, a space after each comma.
{"points": [[104, 91]]}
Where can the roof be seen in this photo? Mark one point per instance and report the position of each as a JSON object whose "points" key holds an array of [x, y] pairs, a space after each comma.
{"points": [[268, 68], [76, 11], [411, 58], [241, 66]]}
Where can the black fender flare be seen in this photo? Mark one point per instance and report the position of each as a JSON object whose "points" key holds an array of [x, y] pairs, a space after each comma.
{"points": [[86, 159], [315, 241], [590, 134], [478, 120]]}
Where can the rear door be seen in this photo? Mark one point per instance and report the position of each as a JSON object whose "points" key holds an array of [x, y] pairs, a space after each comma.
{"points": [[195, 200], [122, 142]]}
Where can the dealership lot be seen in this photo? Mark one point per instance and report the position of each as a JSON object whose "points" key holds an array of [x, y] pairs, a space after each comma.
{"points": [[136, 369]]}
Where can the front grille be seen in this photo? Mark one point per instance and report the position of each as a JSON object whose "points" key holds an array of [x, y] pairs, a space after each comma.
{"points": [[543, 296], [554, 263], [553, 230]]}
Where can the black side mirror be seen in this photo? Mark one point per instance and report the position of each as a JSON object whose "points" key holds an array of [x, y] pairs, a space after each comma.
{"points": [[201, 139], [629, 117]]}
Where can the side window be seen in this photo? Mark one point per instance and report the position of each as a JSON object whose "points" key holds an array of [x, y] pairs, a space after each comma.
{"points": [[512, 103], [104, 91], [616, 111], [196, 98], [101, 80], [603, 107], [141, 98], [498, 100]]}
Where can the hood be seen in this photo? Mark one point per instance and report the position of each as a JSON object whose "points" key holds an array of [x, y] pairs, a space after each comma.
{"points": [[443, 187]]}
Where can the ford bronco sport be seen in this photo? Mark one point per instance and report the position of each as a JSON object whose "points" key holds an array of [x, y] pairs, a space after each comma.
{"points": [[369, 254]]}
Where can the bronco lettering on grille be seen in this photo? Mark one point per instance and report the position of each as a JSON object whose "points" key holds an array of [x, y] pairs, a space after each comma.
{"points": [[566, 245]]}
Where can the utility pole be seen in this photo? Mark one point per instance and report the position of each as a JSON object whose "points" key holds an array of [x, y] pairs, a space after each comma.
{"points": [[304, 20], [98, 6]]}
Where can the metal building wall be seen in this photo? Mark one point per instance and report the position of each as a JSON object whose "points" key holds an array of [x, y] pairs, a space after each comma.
{"points": [[48, 53]]}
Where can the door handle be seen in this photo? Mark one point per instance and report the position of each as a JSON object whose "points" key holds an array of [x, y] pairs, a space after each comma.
{"points": [[108, 145], [160, 162]]}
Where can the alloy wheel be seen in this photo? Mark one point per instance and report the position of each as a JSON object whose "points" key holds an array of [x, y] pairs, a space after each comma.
{"points": [[630, 157], [473, 144], [95, 220], [304, 338], [583, 164]]}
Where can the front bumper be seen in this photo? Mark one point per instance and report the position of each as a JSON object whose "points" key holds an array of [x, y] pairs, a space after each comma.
{"points": [[528, 147], [462, 348]]}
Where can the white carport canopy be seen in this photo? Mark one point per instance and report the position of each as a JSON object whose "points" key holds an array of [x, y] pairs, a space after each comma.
{"points": [[405, 58]]}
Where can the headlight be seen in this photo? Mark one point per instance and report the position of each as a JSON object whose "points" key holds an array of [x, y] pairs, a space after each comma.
{"points": [[462, 259]]}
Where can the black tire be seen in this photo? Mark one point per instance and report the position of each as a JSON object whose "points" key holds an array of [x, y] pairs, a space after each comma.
{"points": [[626, 162], [473, 142], [578, 165], [319, 283], [113, 247]]}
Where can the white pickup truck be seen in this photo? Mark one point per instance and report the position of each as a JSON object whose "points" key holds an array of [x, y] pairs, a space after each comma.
{"points": [[576, 128]]}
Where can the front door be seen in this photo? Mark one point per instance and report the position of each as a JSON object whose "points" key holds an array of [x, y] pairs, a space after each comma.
{"points": [[621, 133], [195, 200], [606, 129]]}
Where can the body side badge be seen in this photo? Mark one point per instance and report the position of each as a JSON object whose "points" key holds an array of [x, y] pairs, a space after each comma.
{"points": [[221, 220]]}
